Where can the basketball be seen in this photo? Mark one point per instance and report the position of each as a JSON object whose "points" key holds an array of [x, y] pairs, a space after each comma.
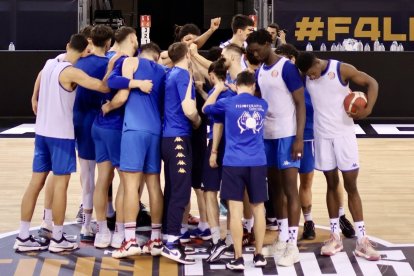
{"points": [[353, 100]]}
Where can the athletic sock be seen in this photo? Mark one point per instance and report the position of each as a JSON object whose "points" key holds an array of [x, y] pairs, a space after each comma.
{"points": [[156, 231], [341, 211], [360, 229], [102, 226], [130, 228], [57, 232], [47, 217], [283, 229], [334, 223], [184, 228], [24, 229], [308, 216], [293, 234], [229, 238], [203, 226], [86, 219], [215, 234], [248, 224]]}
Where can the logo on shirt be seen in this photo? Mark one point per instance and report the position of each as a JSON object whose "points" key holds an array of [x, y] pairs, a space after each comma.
{"points": [[331, 75], [180, 155], [286, 163], [178, 139], [182, 170], [179, 147], [275, 73], [248, 121], [181, 163]]}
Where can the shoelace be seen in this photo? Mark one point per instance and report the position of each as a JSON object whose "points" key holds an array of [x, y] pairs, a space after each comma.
{"points": [[123, 246], [331, 239]]}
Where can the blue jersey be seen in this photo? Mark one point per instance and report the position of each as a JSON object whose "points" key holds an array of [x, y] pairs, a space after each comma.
{"points": [[175, 122], [110, 54], [143, 110], [88, 102], [308, 133], [244, 120], [223, 95], [115, 118]]}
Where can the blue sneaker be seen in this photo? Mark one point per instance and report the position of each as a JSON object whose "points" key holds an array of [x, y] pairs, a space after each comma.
{"points": [[185, 237], [175, 252], [198, 234]]}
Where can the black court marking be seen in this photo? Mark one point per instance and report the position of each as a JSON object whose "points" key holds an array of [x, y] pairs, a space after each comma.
{"points": [[397, 260]]}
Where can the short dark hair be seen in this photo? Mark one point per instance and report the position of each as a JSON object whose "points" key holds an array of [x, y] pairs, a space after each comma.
{"points": [[287, 50], [86, 31], [245, 78], [241, 21], [251, 58], [219, 68], [100, 34], [177, 51], [182, 31], [305, 61], [274, 26], [122, 33], [78, 42], [151, 47], [260, 37], [214, 53], [235, 48]]}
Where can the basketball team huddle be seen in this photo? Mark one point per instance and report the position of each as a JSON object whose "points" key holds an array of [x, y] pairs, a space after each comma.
{"points": [[242, 122]]}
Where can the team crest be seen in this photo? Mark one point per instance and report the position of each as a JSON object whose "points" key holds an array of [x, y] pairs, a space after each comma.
{"points": [[180, 155], [248, 121], [178, 139], [182, 170], [331, 75], [179, 147], [275, 73], [181, 163]]}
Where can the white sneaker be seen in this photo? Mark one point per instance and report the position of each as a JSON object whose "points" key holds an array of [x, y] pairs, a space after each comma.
{"points": [[366, 250], [291, 255], [30, 244], [332, 246], [153, 247], [279, 249], [102, 239], [62, 245], [45, 230], [117, 239], [128, 248], [87, 235]]}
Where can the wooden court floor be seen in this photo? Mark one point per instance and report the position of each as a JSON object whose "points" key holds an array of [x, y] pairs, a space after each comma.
{"points": [[386, 184]]}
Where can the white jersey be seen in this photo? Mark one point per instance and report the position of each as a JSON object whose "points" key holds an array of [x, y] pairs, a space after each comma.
{"points": [[226, 43], [328, 94], [281, 116], [55, 105]]}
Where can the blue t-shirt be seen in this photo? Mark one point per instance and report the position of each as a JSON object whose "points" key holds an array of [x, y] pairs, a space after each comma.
{"points": [[244, 117], [88, 102], [175, 122], [115, 118], [223, 95], [143, 110], [308, 133]]}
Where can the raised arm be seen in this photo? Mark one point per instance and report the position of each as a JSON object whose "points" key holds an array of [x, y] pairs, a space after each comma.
{"points": [[189, 106], [202, 39]]}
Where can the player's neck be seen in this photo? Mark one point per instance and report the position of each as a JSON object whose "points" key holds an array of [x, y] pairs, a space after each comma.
{"points": [[125, 49], [234, 70], [272, 59], [99, 51], [183, 64], [236, 40], [324, 64], [71, 57]]}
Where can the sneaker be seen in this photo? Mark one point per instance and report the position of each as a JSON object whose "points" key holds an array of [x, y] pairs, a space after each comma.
{"points": [[332, 246], [79, 215], [117, 239], [87, 235], [366, 250], [45, 231], [279, 249], [174, 251], [198, 234], [128, 248], [153, 247], [259, 260], [308, 230], [62, 245], [110, 222], [229, 252], [271, 225], [189, 250], [192, 220], [236, 264], [185, 237], [248, 238], [216, 250], [102, 240], [143, 218], [30, 244], [291, 255], [346, 227]]}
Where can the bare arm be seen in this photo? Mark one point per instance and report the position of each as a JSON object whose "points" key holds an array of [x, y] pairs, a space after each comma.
{"points": [[217, 134], [299, 100], [202, 39], [35, 96], [189, 106], [350, 73], [71, 75], [195, 56], [200, 90], [218, 88]]}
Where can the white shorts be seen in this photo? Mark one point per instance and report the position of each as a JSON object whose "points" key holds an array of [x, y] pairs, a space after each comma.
{"points": [[341, 153]]}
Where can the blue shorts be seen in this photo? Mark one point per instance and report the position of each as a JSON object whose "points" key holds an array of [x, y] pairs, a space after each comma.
{"points": [[212, 176], [107, 144], [279, 153], [84, 141], [307, 163], [54, 154], [140, 152], [238, 179]]}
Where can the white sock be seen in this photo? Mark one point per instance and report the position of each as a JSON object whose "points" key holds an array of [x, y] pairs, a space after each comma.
{"points": [[215, 234], [172, 239], [86, 219], [229, 238], [184, 228], [341, 211], [57, 232], [119, 227], [24, 229], [203, 226], [248, 224], [47, 216], [360, 229], [110, 212], [334, 223], [102, 226], [155, 231], [308, 216], [293, 234], [283, 229], [130, 230]]}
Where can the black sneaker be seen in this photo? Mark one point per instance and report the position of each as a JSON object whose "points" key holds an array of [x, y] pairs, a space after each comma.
{"points": [[216, 250], [271, 225], [229, 252], [236, 264], [175, 252], [346, 227], [248, 238], [259, 260], [143, 218], [111, 221], [308, 230]]}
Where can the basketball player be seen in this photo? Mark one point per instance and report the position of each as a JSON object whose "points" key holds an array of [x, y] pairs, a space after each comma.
{"points": [[242, 26], [86, 108], [180, 116], [281, 86], [244, 163], [335, 141], [55, 143]]}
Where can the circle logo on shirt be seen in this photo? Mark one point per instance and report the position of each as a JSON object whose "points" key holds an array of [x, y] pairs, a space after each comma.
{"points": [[331, 75], [275, 73]]}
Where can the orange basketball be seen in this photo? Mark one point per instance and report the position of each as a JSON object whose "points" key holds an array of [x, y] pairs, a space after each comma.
{"points": [[353, 100]]}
